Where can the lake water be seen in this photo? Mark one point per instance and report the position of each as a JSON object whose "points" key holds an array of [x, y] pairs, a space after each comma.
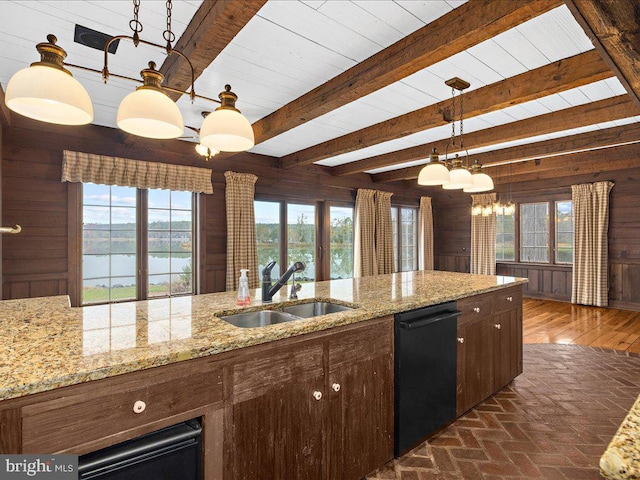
{"points": [[98, 267]]}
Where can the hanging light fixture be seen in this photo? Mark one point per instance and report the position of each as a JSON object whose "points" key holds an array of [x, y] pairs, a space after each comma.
{"points": [[435, 172], [459, 176], [226, 129], [46, 91], [481, 181]]}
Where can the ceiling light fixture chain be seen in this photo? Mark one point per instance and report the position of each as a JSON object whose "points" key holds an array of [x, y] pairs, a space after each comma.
{"points": [[135, 25], [168, 35], [461, 99], [453, 116]]}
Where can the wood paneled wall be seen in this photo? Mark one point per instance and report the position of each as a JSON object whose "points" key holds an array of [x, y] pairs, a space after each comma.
{"points": [[36, 262], [551, 179]]}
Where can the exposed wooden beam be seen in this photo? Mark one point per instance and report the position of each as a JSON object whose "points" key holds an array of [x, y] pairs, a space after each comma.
{"points": [[556, 77], [558, 146], [452, 33], [606, 110], [612, 26], [210, 30]]}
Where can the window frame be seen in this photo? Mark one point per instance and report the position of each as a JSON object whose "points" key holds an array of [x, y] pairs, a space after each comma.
{"points": [[397, 237], [549, 233], [326, 239]]}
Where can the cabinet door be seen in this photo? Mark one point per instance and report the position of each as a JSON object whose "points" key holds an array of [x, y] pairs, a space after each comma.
{"points": [[508, 347], [360, 385], [277, 421], [475, 363]]}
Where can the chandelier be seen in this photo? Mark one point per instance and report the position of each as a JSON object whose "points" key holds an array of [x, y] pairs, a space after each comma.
{"points": [[454, 174], [46, 91]]}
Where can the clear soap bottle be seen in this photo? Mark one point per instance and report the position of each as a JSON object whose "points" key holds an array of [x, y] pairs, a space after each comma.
{"points": [[243, 289]]}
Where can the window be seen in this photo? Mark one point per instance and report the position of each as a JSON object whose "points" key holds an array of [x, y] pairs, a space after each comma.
{"points": [[404, 222], [340, 242], [564, 232], [301, 239], [534, 232], [268, 235], [505, 236], [115, 232]]}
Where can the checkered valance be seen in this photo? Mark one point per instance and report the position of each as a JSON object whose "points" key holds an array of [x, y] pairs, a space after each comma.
{"points": [[105, 170]]}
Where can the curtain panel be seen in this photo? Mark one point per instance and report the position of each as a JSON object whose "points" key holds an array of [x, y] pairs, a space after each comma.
{"points": [[242, 251], [425, 234], [590, 284], [364, 245], [105, 170], [483, 235], [384, 233]]}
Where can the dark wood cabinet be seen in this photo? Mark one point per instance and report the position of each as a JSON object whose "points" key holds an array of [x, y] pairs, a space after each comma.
{"points": [[489, 345], [316, 409]]}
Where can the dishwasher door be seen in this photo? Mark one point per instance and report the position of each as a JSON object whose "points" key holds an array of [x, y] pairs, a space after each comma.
{"points": [[425, 373]]}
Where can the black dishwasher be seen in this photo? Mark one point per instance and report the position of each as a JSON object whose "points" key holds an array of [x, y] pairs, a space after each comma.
{"points": [[173, 453], [425, 373]]}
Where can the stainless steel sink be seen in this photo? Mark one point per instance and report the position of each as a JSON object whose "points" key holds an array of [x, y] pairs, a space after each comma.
{"points": [[314, 309], [259, 319]]}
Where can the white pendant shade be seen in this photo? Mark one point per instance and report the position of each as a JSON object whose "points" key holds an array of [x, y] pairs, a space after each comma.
{"points": [[226, 130], [150, 113], [434, 174], [459, 177], [481, 183], [49, 95]]}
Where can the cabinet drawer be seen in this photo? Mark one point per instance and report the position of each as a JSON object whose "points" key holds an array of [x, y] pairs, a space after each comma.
{"points": [[507, 299], [96, 410], [475, 308]]}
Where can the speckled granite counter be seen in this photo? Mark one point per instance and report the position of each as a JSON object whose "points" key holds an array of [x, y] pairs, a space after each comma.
{"points": [[47, 344], [621, 460]]}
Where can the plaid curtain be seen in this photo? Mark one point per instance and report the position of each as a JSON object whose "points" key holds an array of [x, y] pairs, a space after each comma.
{"points": [[364, 250], [242, 251], [590, 261], [384, 233], [483, 235], [90, 168], [425, 234]]}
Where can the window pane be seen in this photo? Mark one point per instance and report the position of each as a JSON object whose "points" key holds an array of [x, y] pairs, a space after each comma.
{"points": [[301, 233], [564, 232], [341, 242], [505, 236], [534, 234], [170, 243], [268, 235], [108, 243], [409, 239]]}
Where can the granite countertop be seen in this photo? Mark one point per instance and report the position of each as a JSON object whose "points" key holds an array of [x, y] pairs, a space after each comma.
{"points": [[47, 344], [621, 459]]}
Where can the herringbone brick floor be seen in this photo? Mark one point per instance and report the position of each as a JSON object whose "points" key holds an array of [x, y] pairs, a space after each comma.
{"points": [[552, 422]]}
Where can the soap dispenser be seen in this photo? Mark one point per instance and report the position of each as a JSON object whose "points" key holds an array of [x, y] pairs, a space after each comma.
{"points": [[243, 289]]}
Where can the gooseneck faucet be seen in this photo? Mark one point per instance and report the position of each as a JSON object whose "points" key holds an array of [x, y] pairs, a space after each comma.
{"points": [[269, 289]]}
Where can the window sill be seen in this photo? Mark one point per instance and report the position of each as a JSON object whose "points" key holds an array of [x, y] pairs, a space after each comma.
{"points": [[549, 266]]}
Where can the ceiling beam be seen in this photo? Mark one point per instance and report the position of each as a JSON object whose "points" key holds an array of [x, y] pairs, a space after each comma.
{"points": [[210, 30], [612, 26], [604, 138], [555, 77], [606, 110], [462, 28]]}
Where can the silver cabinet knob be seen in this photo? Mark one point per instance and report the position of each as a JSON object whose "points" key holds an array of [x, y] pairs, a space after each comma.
{"points": [[336, 387], [509, 299], [139, 406], [460, 339], [317, 395], [476, 309], [497, 325]]}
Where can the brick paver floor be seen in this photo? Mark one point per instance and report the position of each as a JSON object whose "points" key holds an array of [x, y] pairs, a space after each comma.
{"points": [[552, 422]]}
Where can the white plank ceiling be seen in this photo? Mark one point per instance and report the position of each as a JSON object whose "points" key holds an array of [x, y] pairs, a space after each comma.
{"points": [[292, 46]]}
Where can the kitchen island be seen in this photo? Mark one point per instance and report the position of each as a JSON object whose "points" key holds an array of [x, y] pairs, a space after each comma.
{"points": [[93, 364]]}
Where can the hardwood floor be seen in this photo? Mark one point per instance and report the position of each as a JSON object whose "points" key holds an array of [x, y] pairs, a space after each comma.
{"points": [[546, 321]]}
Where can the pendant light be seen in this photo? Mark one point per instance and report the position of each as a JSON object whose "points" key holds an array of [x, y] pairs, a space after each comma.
{"points": [[481, 181], [149, 112], [435, 172], [459, 176], [46, 91], [226, 129]]}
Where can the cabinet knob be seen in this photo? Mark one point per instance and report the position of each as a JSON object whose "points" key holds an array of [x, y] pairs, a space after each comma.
{"points": [[139, 406], [460, 339], [317, 395], [509, 299], [476, 309], [336, 387], [497, 325]]}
